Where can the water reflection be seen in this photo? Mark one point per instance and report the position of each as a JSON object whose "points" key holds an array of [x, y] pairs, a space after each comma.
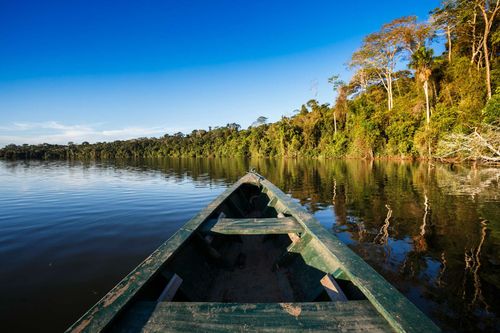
{"points": [[432, 230]]}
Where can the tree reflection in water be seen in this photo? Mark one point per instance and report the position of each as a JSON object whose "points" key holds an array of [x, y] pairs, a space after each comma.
{"points": [[432, 230]]}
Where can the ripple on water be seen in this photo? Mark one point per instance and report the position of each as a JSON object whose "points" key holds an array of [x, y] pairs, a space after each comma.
{"points": [[69, 231]]}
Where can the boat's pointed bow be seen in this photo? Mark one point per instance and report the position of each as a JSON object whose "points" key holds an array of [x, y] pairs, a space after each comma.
{"points": [[252, 177]]}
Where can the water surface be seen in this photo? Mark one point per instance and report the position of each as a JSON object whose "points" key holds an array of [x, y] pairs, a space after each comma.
{"points": [[69, 231]]}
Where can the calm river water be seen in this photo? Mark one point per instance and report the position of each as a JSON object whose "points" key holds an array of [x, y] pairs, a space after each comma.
{"points": [[69, 231]]}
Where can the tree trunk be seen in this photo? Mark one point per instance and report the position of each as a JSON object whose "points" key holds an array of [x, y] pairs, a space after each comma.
{"points": [[474, 52], [388, 87], [389, 92], [488, 22], [428, 108], [335, 122], [448, 32], [487, 62]]}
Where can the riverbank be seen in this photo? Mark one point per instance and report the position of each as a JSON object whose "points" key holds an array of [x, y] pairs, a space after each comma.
{"points": [[63, 152]]}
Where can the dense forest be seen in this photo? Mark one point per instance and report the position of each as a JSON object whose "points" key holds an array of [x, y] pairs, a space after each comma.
{"points": [[402, 101]]}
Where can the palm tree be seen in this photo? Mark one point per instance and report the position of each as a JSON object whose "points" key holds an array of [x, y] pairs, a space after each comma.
{"points": [[338, 85], [421, 62]]}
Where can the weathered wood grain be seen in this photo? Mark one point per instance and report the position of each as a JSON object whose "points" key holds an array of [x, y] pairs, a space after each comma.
{"points": [[257, 226], [354, 316]]}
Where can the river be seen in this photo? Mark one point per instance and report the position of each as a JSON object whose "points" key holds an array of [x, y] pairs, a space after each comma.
{"points": [[69, 231]]}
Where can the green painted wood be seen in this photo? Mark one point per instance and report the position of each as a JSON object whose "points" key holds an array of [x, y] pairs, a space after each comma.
{"points": [[101, 314], [314, 255], [309, 248], [257, 226], [353, 316], [323, 251], [295, 247], [329, 251]]}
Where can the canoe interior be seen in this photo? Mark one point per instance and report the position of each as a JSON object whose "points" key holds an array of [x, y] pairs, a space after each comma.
{"points": [[253, 260], [242, 268]]}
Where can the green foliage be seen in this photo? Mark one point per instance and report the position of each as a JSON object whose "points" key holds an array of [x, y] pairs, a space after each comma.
{"points": [[491, 113], [421, 61], [463, 87], [334, 146], [362, 122]]}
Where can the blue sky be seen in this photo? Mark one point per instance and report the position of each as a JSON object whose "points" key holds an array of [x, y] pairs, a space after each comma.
{"points": [[101, 71]]}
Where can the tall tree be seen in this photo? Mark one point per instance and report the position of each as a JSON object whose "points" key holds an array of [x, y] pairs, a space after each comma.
{"points": [[260, 121], [489, 10], [468, 15], [421, 62], [413, 34], [338, 85], [381, 51], [445, 18], [359, 82]]}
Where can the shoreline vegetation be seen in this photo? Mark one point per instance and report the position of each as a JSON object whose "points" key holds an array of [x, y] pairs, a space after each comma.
{"points": [[401, 102]]}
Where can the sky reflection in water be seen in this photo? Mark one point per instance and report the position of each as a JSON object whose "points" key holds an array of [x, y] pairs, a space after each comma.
{"points": [[69, 231]]}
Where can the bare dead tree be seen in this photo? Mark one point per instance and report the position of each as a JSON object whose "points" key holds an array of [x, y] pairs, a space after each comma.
{"points": [[482, 144]]}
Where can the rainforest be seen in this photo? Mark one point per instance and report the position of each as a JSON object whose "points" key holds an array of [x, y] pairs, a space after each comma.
{"points": [[402, 101]]}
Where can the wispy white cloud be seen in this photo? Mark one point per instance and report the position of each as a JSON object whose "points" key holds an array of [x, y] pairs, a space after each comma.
{"points": [[58, 133], [136, 131], [50, 125], [54, 125]]}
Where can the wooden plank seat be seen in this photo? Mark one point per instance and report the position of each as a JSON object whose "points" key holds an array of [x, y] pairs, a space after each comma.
{"points": [[352, 316], [257, 226]]}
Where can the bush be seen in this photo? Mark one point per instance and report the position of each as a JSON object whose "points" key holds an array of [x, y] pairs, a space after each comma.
{"points": [[491, 113]]}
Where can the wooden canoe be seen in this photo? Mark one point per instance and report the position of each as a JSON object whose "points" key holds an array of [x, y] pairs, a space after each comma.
{"points": [[253, 260]]}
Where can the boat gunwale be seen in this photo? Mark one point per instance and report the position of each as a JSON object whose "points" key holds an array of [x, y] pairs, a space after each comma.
{"points": [[400, 313], [394, 307], [100, 315]]}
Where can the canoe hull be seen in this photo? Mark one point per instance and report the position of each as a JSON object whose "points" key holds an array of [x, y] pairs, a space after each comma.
{"points": [[257, 214]]}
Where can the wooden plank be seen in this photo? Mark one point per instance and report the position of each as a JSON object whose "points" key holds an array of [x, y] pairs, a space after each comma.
{"points": [[353, 316], [402, 315], [333, 289], [257, 226], [168, 293]]}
